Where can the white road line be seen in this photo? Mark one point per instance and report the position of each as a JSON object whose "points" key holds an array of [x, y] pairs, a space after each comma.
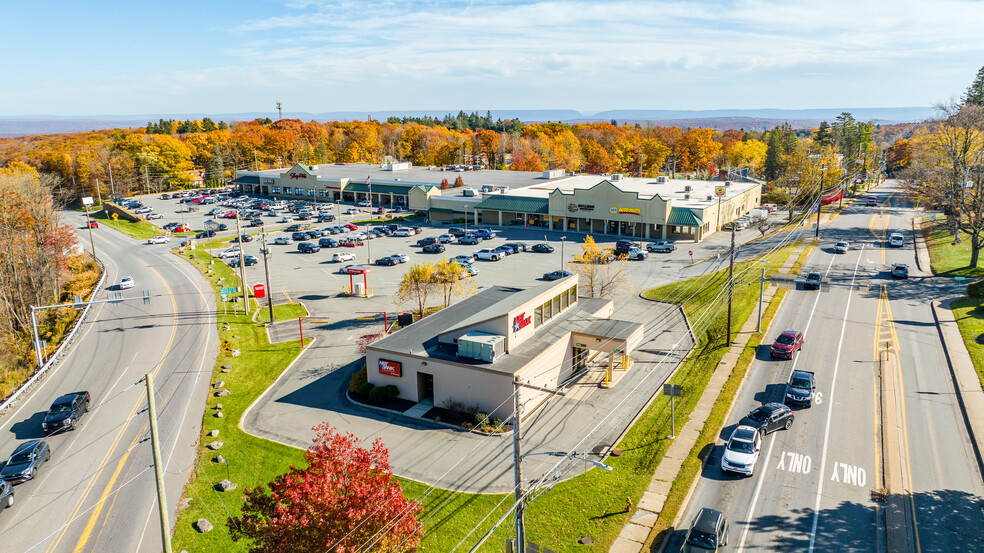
{"points": [[830, 408], [761, 476], [122, 374]]}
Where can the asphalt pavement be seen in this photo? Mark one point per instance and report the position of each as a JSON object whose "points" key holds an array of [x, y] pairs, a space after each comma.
{"points": [[98, 491]]}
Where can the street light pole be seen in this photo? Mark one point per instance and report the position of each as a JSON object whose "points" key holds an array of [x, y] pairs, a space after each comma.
{"points": [[823, 168], [563, 239], [266, 268], [242, 265], [518, 473], [731, 280]]}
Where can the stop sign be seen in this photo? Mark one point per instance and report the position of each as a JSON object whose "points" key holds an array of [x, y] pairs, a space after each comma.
{"points": [[259, 291]]}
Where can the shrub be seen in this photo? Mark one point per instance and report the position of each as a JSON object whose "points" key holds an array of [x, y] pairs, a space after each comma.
{"points": [[976, 289], [360, 377], [481, 419], [365, 388], [380, 394]]}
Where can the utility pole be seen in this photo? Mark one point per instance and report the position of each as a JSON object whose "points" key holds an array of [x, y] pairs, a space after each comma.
{"points": [[731, 281], [146, 179], [158, 468], [242, 266], [518, 473], [112, 187], [280, 111], [266, 268], [563, 239], [761, 296], [823, 168]]}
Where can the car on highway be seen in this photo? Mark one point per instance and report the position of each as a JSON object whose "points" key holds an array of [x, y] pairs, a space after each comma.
{"points": [[338, 257], [159, 239], [434, 248], [788, 343], [93, 224], [900, 270], [6, 495], [636, 254], [468, 239], [248, 260], [813, 281], [661, 246], [542, 248], [841, 247], [556, 275], [126, 282], [488, 254], [708, 532], [65, 412], [800, 388], [742, 451], [769, 418], [462, 259], [229, 252], [871, 200], [307, 247], [24, 462], [152, 216], [896, 240], [283, 241]]}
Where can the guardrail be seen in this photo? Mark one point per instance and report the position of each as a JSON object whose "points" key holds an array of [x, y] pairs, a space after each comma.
{"points": [[39, 374]]}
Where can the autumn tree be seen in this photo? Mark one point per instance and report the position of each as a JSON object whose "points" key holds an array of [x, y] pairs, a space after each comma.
{"points": [[601, 274], [453, 279], [345, 500], [416, 286]]}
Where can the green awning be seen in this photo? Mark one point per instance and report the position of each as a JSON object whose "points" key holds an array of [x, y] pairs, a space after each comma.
{"points": [[517, 204], [683, 218], [247, 179], [381, 188]]}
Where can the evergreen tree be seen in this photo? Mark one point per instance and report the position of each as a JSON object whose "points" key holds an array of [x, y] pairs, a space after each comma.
{"points": [[215, 170], [822, 138], [208, 125], [773, 155], [975, 92]]}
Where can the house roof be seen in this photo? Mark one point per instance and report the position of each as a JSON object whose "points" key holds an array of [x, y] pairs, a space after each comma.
{"points": [[519, 204], [682, 217]]}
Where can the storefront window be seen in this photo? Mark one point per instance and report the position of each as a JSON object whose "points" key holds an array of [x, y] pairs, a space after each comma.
{"points": [[574, 294], [556, 305], [537, 316], [565, 299], [546, 312], [310, 192], [275, 190], [287, 190]]}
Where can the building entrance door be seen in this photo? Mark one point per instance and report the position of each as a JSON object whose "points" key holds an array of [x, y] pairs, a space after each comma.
{"points": [[580, 358], [425, 386]]}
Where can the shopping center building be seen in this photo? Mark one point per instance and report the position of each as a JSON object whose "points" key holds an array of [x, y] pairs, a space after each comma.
{"points": [[614, 205], [476, 350]]}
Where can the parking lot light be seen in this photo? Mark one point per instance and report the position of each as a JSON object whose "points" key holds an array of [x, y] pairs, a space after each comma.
{"points": [[562, 240]]}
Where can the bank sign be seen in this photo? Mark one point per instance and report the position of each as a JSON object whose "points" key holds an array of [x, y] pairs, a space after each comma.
{"points": [[392, 368], [521, 321], [625, 211]]}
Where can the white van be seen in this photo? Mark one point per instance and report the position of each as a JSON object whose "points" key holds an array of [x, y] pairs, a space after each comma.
{"points": [[896, 240]]}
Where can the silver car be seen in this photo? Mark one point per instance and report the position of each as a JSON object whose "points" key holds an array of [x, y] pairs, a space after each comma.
{"points": [[841, 247]]}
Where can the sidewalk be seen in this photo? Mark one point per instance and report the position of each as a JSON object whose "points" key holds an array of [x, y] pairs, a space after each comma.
{"points": [[636, 532]]}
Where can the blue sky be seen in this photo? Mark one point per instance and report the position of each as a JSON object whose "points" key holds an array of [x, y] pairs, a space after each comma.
{"points": [[215, 56]]}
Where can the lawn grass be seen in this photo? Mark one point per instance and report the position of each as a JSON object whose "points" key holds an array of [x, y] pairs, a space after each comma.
{"points": [[281, 312], [947, 258], [140, 230], [970, 319]]}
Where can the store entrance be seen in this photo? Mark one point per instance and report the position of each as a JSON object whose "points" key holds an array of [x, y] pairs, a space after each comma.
{"points": [[425, 386]]}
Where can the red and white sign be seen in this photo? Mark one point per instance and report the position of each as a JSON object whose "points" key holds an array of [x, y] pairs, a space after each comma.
{"points": [[392, 368], [521, 321]]}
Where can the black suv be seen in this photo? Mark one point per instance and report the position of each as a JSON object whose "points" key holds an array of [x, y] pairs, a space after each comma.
{"points": [[813, 281], [65, 412], [307, 247], [205, 234], [456, 232], [623, 246], [426, 241], [708, 532], [800, 388]]}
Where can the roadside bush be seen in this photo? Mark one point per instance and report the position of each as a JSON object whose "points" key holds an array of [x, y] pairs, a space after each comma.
{"points": [[360, 377], [481, 419], [365, 388], [380, 394], [459, 408], [976, 289]]}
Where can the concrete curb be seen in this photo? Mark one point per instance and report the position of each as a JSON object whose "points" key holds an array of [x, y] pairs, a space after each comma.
{"points": [[966, 384]]}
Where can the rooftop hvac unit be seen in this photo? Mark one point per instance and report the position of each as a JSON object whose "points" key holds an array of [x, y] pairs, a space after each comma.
{"points": [[617, 177], [481, 346], [727, 183], [687, 188], [710, 197], [504, 189], [686, 196], [661, 179]]}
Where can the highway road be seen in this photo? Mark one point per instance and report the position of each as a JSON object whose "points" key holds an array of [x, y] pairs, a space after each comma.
{"points": [[98, 491], [819, 485]]}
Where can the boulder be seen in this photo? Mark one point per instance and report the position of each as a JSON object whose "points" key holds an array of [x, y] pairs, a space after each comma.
{"points": [[235, 353], [222, 393], [213, 434], [225, 486], [219, 415], [214, 445], [218, 384], [219, 459], [227, 366], [203, 525]]}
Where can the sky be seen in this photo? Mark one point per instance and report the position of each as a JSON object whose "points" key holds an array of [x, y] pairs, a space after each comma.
{"points": [[216, 56]]}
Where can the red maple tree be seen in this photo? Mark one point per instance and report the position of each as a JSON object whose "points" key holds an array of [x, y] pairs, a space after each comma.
{"points": [[345, 499]]}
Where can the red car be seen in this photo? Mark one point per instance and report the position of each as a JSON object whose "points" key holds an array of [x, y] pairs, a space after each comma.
{"points": [[350, 226], [182, 228], [93, 224], [788, 343]]}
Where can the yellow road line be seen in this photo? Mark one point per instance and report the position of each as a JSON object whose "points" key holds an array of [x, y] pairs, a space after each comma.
{"points": [[83, 539]]}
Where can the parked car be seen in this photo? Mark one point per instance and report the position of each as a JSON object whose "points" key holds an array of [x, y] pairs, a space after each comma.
{"points": [[542, 248], [248, 261], [463, 259], [256, 222], [504, 250], [299, 236], [896, 240], [900, 270], [434, 248], [328, 243], [243, 238], [165, 196], [338, 257], [144, 209], [6, 495], [181, 228], [229, 252], [518, 246], [65, 412], [152, 216], [484, 233], [800, 388], [788, 343], [350, 226], [401, 257], [293, 228], [488, 254], [841, 247], [769, 418], [205, 234], [307, 247], [556, 275], [387, 260], [447, 239], [126, 282], [24, 462], [813, 281], [623, 246], [457, 232], [469, 268], [708, 532], [326, 218], [636, 254], [469, 239], [426, 241], [742, 451], [364, 203], [159, 239], [661, 246]]}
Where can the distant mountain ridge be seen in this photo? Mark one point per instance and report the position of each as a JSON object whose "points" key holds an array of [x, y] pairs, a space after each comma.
{"points": [[720, 119]]}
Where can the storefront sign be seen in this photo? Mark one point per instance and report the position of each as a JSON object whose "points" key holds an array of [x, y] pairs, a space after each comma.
{"points": [[267, 180], [392, 368], [573, 208], [626, 211], [298, 176], [521, 321]]}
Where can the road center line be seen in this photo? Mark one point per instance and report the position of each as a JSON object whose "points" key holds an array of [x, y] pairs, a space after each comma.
{"points": [[830, 410]]}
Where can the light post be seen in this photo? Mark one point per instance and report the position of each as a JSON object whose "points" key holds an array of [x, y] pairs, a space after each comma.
{"points": [[562, 240], [823, 169]]}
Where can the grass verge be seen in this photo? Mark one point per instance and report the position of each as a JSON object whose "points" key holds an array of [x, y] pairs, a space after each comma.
{"points": [[281, 312], [970, 319], [947, 258], [140, 230]]}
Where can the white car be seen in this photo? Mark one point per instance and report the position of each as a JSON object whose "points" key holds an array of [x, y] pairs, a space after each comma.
{"points": [[463, 259], [637, 254], [364, 203], [231, 252], [283, 241], [151, 216], [742, 451], [352, 211], [841, 247], [487, 253], [144, 209], [126, 282], [326, 206], [447, 239], [159, 239], [402, 232], [338, 257], [896, 240]]}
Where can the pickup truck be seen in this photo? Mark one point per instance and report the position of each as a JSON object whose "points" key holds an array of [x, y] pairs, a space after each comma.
{"points": [[800, 388], [65, 412], [488, 254]]}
